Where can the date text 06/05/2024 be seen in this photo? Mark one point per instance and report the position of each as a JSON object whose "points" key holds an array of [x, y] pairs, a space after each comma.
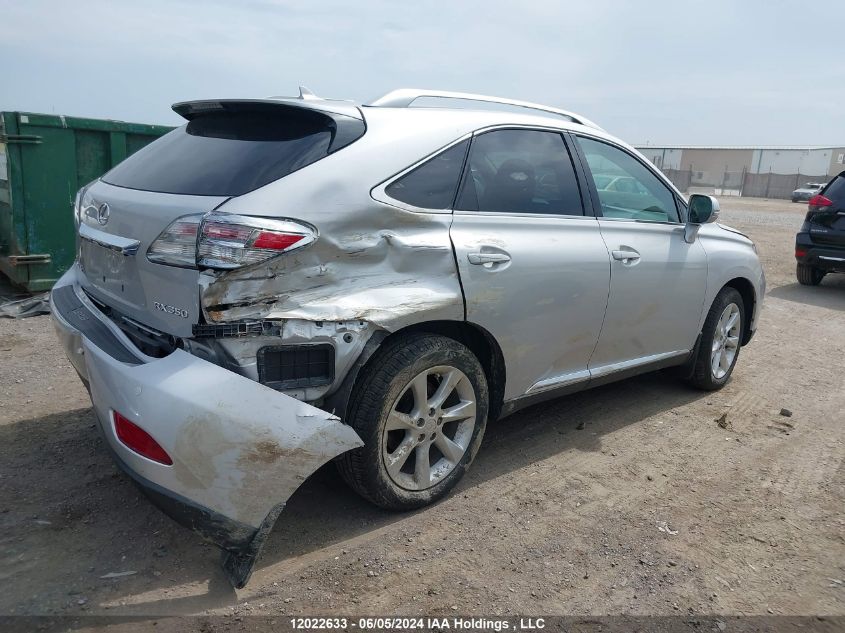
{"points": [[421, 624]]}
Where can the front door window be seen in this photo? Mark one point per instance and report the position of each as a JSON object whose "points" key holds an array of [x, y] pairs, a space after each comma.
{"points": [[627, 188]]}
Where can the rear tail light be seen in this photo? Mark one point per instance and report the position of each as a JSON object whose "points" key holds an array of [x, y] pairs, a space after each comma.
{"points": [[232, 241], [800, 253], [220, 240], [82, 204], [177, 244], [137, 439], [820, 201]]}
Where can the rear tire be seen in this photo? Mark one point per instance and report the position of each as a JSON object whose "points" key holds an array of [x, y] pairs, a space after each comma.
{"points": [[808, 275], [721, 339], [420, 406]]}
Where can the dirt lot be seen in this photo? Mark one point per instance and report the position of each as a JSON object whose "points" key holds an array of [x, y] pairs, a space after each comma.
{"points": [[625, 499]]}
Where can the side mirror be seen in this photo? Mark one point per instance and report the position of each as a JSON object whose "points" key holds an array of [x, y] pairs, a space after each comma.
{"points": [[702, 210]]}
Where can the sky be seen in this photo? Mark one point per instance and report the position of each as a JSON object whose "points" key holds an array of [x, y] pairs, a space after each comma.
{"points": [[718, 72]]}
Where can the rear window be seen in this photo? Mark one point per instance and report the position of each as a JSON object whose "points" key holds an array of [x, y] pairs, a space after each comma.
{"points": [[836, 189], [228, 153]]}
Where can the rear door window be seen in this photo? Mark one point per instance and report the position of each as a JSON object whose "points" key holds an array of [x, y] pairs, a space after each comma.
{"points": [[432, 185], [520, 171], [229, 153]]}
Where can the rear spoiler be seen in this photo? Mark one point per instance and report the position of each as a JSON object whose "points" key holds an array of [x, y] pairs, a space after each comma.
{"points": [[306, 101], [342, 117]]}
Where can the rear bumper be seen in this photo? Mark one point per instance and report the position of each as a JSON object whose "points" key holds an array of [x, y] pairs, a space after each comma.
{"points": [[826, 257], [239, 449], [224, 532]]}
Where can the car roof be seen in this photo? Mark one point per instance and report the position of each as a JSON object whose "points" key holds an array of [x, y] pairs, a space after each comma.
{"points": [[396, 108], [468, 120], [401, 102]]}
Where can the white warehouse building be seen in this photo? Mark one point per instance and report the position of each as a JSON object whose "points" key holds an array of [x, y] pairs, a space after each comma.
{"points": [[749, 171]]}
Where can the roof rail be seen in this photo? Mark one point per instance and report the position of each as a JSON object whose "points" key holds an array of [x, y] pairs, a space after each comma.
{"points": [[404, 97]]}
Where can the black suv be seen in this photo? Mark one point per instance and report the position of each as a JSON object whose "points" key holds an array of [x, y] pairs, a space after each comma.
{"points": [[820, 244]]}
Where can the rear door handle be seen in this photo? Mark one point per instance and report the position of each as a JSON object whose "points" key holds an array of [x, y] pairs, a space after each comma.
{"points": [[625, 256], [488, 258]]}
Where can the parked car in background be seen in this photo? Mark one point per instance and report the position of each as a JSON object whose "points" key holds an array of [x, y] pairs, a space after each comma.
{"points": [[820, 244], [802, 194], [625, 184], [286, 281]]}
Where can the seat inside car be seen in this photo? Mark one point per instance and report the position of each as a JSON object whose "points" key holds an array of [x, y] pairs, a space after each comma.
{"points": [[512, 187]]}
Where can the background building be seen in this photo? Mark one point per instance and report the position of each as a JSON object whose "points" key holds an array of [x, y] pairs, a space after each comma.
{"points": [[769, 172]]}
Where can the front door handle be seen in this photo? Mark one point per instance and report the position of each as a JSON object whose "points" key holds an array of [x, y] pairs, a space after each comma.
{"points": [[625, 256], [488, 258]]}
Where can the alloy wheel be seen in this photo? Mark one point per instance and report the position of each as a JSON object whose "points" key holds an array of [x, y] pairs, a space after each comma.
{"points": [[429, 428], [725, 341]]}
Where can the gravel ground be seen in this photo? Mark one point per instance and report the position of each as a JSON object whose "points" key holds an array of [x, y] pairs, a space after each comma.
{"points": [[627, 499]]}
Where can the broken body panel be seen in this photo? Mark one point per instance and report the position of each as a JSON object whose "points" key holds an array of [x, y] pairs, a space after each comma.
{"points": [[238, 449]]}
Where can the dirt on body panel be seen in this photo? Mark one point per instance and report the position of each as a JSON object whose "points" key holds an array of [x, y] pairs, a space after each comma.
{"points": [[254, 469]]}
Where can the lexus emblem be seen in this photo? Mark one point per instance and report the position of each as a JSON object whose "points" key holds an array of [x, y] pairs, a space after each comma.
{"points": [[103, 213]]}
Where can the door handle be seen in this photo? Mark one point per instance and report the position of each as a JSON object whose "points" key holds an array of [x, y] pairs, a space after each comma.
{"points": [[488, 258], [625, 256]]}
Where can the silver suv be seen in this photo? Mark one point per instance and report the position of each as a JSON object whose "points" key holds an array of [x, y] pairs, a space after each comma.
{"points": [[286, 281]]}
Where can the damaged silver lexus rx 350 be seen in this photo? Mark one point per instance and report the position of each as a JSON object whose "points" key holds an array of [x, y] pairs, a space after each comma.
{"points": [[287, 281]]}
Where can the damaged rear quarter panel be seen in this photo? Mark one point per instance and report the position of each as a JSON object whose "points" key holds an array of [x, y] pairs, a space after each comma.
{"points": [[372, 262]]}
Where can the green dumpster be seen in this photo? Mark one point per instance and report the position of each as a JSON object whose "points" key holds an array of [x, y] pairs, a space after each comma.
{"points": [[44, 160]]}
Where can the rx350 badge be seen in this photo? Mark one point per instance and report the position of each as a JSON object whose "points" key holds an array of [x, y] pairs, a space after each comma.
{"points": [[169, 309]]}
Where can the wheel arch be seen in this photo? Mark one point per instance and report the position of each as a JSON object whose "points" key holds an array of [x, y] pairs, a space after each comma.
{"points": [[749, 300], [482, 344], [476, 338]]}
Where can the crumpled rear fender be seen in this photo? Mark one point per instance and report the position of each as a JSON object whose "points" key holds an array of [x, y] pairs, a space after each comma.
{"points": [[357, 270]]}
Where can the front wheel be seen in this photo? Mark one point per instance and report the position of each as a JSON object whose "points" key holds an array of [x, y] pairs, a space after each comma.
{"points": [[721, 338], [420, 406]]}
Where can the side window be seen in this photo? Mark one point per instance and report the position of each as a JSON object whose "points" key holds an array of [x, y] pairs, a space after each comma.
{"points": [[432, 185], [626, 187], [520, 171], [835, 188]]}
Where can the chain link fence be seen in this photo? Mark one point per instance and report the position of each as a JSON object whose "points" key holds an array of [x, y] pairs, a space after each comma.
{"points": [[740, 183]]}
